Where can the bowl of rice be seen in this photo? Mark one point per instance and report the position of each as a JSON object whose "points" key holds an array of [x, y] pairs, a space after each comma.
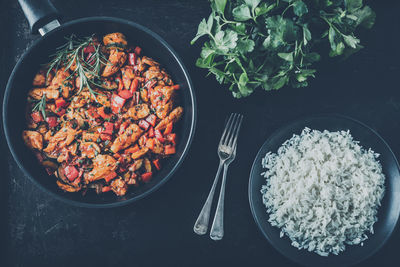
{"points": [[324, 190]]}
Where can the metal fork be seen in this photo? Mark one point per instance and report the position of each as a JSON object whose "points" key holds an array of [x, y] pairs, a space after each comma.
{"points": [[226, 149]]}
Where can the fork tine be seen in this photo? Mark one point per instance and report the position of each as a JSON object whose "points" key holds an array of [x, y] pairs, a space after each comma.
{"points": [[230, 129], [227, 125], [233, 139]]}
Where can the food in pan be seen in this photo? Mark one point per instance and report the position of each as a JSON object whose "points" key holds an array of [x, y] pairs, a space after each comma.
{"points": [[102, 115], [323, 190]]}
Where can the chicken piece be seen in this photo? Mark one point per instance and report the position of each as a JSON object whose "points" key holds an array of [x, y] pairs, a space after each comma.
{"points": [[140, 153], [102, 99], [42, 129], [66, 152], [116, 60], [163, 110], [63, 81], [119, 187], [154, 72], [127, 76], [109, 84], [40, 79], [126, 138], [139, 65], [89, 149], [157, 148], [137, 112], [61, 139], [142, 141], [161, 98], [37, 93], [149, 61], [90, 136], [115, 39], [144, 95], [47, 136], [67, 188], [173, 117], [33, 139], [85, 96], [103, 165], [136, 165], [147, 165], [80, 99], [74, 115]]}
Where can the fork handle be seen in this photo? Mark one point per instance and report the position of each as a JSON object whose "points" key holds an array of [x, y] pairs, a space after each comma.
{"points": [[201, 224], [217, 228]]}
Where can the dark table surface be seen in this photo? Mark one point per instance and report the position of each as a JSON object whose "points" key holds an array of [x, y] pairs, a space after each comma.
{"points": [[157, 231]]}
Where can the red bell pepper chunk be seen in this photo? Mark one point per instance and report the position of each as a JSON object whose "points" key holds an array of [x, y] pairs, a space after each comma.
{"points": [[89, 49], [157, 164], [150, 133], [52, 121], [146, 176], [117, 103], [110, 176], [134, 85], [104, 113], [125, 94], [168, 150], [144, 124], [132, 59], [60, 103], [106, 189], [138, 50], [105, 137], [176, 87], [36, 117], [172, 138], [92, 112], [159, 136], [108, 128], [152, 119], [168, 129], [90, 59], [71, 173]]}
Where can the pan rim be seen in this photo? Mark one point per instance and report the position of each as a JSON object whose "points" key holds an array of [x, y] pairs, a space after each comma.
{"points": [[190, 135]]}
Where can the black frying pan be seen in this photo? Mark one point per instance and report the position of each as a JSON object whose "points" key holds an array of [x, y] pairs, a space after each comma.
{"points": [[42, 17]]}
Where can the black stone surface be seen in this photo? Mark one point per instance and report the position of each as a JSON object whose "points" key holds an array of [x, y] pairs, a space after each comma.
{"points": [[37, 230]]}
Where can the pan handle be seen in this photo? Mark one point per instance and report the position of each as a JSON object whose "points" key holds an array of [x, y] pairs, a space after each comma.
{"points": [[41, 15]]}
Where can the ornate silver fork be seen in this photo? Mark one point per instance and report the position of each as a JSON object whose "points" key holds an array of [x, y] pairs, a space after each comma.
{"points": [[226, 153]]}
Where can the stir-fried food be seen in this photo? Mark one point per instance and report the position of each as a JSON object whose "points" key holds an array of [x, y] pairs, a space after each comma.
{"points": [[101, 115]]}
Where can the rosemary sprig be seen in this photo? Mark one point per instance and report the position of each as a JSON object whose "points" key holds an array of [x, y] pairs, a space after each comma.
{"points": [[41, 106], [87, 69]]}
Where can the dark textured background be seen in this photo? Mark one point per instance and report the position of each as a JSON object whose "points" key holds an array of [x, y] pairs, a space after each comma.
{"points": [[157, 231]]}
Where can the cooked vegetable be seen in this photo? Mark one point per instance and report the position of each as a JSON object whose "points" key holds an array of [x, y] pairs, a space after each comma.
{"points": [[88, 123], [272, 43]]}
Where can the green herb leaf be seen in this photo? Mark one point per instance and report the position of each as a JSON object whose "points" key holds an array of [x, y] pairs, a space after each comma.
{"points": [[253, 44], [299, 8], [220, 6], [241, 13], [252, 3], [286, 56]]}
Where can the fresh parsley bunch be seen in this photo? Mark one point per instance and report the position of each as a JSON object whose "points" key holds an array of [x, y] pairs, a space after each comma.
{"points": [[271, 43]]}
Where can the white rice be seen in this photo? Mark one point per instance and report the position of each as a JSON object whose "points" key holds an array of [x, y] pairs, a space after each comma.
{"points": [[323, 190]]}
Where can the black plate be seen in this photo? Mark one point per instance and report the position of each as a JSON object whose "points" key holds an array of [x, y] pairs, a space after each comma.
{"points": [[387, 215], [20, 81]]}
